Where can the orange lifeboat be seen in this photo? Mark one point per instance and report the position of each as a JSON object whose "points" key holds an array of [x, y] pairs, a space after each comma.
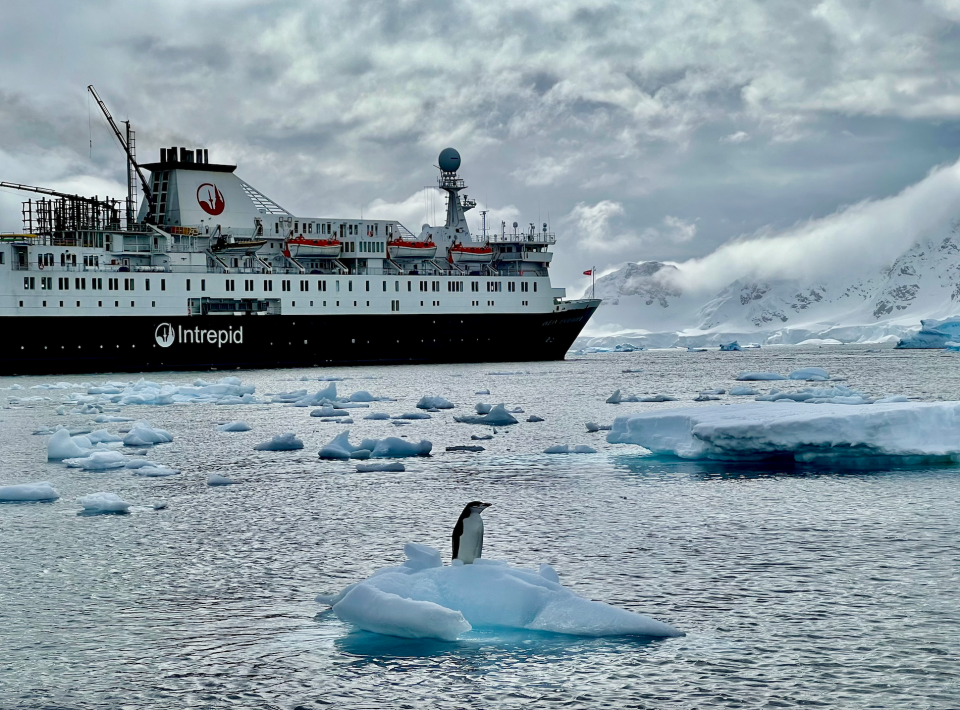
{"points": [[401, 249], [317, 248], [460, 254]]}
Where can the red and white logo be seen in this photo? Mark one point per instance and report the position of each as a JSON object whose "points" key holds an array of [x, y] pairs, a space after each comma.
{"points": [[210, 198]]}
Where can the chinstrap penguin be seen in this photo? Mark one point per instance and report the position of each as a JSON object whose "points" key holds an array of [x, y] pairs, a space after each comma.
{"points": [[468, 533]]}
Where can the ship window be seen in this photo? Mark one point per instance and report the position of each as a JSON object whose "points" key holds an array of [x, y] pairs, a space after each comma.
{"points": [[296, 227], [321, 285], [384, 285], [267, 285], [409, 285], [368, 285], [188, 284], [203, 284], [63, 259], [146, 284], [350, 285], [310, 228], [338, 289], [396, 285], [276, 228], [328, 228], [163, 284], [534, 285]]}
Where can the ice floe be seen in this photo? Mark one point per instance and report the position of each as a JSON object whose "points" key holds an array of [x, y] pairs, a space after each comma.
{"points": [[155, 471], [281, 442], [480, 437], [377, 416], [482, 392], [425, 599], [98, 461], [327, 411], [567, 449], [111, 419], [730, 347], [615, 398], [63, 446], [810, 374], [227, 390], [432, 402], [413, 415], [103, 503], [759, 376], [498, 416], [743, 391], [234, 426], [462, 447], [534, 418], [904, 431], [483, 407], [215, 479], [837, 394], [28, 492], [594, 427]]}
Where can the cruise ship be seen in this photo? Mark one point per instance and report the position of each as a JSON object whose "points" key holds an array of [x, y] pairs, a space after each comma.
{"points": [[206, 272]]}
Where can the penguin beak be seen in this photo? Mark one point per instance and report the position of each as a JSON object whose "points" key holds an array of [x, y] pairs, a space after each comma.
{"points": [[486, 505]]}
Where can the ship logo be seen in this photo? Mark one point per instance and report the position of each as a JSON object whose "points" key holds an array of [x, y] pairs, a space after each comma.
{"points": [[165, 335], [210, 198]]}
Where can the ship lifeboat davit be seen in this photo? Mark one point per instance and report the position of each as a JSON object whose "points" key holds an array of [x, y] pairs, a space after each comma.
{"points": [[401, 249], [230, 245], [316, 248], [460, 254]]}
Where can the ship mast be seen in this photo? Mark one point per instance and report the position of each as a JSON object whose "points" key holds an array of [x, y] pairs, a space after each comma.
{"points": [[127, 146]]}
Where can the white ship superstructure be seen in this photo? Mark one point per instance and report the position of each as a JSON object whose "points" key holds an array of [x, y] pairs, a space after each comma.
{"points": [[295, 289]]}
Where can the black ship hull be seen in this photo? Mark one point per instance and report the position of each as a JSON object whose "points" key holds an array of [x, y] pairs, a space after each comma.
{"points": [[77, 344]]}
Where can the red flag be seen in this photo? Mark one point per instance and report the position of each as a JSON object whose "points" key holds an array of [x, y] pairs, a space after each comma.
{"points": [[588, 273]]}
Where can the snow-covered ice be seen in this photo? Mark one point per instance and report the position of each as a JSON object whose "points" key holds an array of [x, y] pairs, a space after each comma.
{"points": [[433, 402], [28, 492], [215, 479], [98, 461], [103, 503], [933, 334], [234, 426], [422, 598], [567, 449], [63, 446], [482, 407], [908, 432], [281, 442], [759, 376], [498, 416], [390, 467]]}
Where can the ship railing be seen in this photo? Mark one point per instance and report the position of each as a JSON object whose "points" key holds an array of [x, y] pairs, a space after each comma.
{"points": [[527, 238]]}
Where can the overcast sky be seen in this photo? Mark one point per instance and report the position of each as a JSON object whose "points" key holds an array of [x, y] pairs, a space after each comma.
{"points": [[645, 130]]}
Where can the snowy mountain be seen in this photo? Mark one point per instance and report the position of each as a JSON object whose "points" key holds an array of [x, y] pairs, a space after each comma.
{"points": [[648, 303]]}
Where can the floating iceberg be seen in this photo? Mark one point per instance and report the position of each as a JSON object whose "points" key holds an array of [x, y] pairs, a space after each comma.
{"points": [[281, 442], [498, 416], [142, 434], [905, 432], [743, 391], [28, 492], [377, 416], [428, 402], [234, 426], [228, 390], [654, 398], [933, 334], [567, 449], [424, 599], [390, 447], [810, 374], [63, 446], [594, 427], [480, 437], [392, 467], [703, 397], [103, 503], [838, 394], [329, 412], [534, 418], [155, 471], [483, 408], [482, 392], [759, 376], [730, 347], [615, 398], [215, 479], [413, 415], [108, 419]]}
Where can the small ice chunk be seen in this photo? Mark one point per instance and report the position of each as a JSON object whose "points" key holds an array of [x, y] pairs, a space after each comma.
{"points": [[730, 347], [743, 391], [393, 447], [362, 396], [98, 461], [155, 471], [705, 398], [63, 446], [498, 416], [892, 398], [215, 479], [482, 392], [103, 503], [28, 492], [377, 416], [109, 419], [281, 442], [461, 447], [413, 415], [483, 408], [234, 426], [381, 612], [614, 398], [329, 412], [481, 437], [377, 466], [433, 402], [534, 418], [759, 376], [810, 374], [160, 505], [102, 436], [142, 434], [658, 398], [713, 391]]}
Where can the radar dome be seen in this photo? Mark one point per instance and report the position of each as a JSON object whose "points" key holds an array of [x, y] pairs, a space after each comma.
{"points": [[449, 160]]}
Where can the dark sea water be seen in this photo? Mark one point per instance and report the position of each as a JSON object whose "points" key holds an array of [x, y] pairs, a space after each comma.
{"points": [[796, 586]]}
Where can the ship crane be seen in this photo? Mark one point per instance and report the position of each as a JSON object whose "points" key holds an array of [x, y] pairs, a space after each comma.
{"points": [[131, 162]]}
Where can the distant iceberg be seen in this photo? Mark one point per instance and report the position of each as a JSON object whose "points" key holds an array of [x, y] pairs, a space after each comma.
{"points": [[103, 503], [933, 334], [498, 416], [28, 492], [281, 442], [422, 598], [730, 347]]}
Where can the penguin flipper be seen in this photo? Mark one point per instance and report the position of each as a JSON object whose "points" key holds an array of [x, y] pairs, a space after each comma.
{"points": [[457, 532]]}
